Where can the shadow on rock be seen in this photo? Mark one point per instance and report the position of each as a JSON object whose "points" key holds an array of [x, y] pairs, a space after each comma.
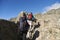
{"points": [[8, 30]]}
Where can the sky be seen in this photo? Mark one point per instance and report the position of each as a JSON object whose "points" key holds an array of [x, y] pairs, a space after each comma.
{"points": [[11, 8]]}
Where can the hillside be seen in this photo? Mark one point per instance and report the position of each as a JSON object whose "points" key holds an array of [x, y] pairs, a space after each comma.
{"points": [[49, 28], [8, 30], [50, 25]]}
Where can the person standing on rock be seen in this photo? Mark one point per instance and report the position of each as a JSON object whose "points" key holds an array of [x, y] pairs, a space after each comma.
{"points": [[30, 20], [23, 26]]}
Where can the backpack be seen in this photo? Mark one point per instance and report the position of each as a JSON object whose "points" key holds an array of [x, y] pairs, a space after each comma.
{"points": [[30, 16]]}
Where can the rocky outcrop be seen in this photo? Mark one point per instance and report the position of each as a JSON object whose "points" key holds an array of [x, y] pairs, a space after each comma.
{"points": [[50, 26], [13, 19]]}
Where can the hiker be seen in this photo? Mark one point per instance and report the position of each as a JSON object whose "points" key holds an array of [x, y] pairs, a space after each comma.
{"points": [[23, 25], [31, 17], [30, 20], [22, 21]]}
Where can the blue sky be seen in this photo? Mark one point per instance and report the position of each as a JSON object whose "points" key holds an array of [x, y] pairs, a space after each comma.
{"points": [[11, 8]]}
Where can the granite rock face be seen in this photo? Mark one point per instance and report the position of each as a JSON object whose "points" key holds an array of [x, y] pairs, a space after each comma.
{"points": [[49, 26]]}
